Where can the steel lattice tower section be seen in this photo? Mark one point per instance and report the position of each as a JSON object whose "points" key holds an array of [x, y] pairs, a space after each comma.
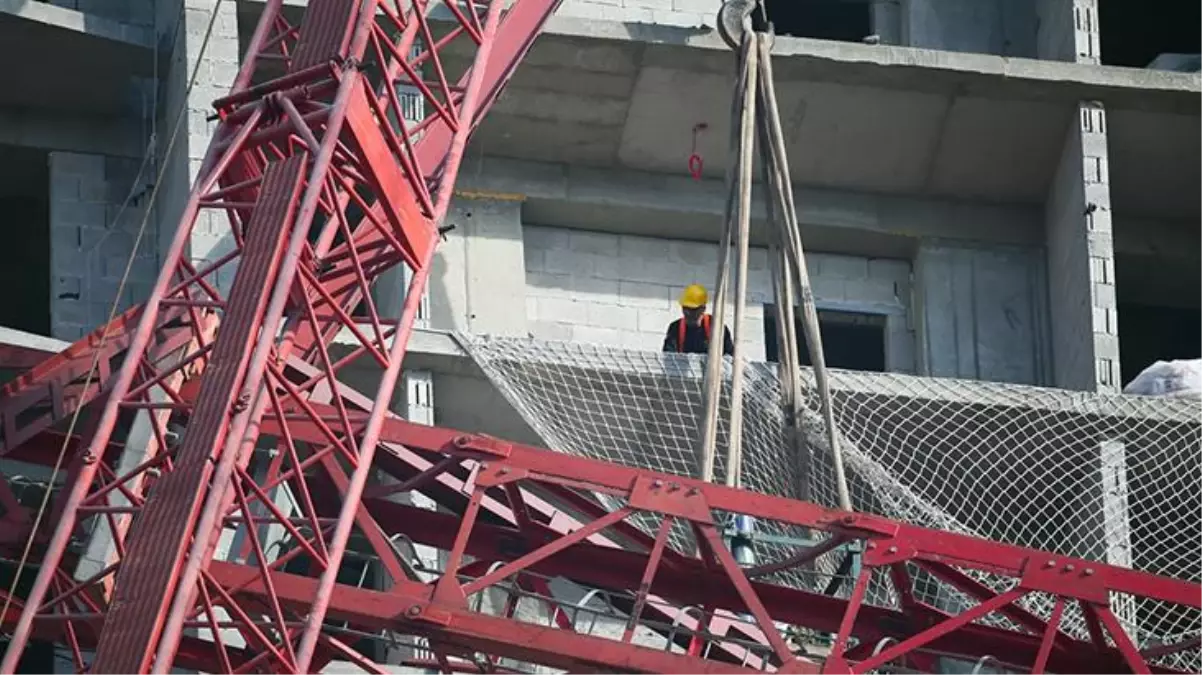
{"points": [[324, 188]]}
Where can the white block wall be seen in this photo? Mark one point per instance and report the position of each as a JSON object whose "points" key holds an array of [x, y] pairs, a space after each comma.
{"points": [[622, 290], [218, 68], [681, 13], [91, 239]]}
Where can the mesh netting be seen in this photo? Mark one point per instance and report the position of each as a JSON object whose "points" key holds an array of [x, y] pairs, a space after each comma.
{"points": [[1108, 478]]}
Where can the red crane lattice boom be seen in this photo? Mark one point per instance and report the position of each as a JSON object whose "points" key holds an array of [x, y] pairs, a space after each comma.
{"points": [[324, 186]]}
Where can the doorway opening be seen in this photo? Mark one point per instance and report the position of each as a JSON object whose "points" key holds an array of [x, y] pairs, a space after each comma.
{"points": [[843, 20], [850, 340], [1135, 33], [1151, 333], [1159, 309], [25, 219]]}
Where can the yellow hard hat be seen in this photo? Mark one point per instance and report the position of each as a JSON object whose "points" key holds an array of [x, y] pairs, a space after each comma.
{"points": [[694, 296]]}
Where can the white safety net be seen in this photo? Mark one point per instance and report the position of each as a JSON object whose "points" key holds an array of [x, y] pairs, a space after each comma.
{"points": [[1104, 477]]}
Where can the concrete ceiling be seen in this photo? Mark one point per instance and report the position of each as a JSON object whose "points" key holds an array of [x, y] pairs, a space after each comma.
{"points": [[48, 67], [635, 105], [638, 105], [869, 118]]}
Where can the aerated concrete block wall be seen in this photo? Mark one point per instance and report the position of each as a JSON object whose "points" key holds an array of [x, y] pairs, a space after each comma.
{"points": [[622, 290], [181, 29], [1080, 246], [92, 237], [680, 13]]}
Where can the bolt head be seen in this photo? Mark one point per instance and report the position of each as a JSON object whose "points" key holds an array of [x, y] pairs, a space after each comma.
{"points": [[893, 549], [1069, 567], [1089, 571], [1050, 563], [414, 610], [657, 483]]}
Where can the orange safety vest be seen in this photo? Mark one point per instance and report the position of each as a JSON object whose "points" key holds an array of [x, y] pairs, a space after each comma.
{"points": [[681, 328]]}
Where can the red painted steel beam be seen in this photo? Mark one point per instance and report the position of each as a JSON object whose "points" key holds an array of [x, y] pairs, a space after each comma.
{"points": [[694, 584], [887, 543], [697, 584], [401, 609]]}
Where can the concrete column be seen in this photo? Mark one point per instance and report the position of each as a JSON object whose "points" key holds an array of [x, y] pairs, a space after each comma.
{"points": [[478, 282], [1084, 316], [1081, 291], [887, 21], [181, 29], [92, 237], [1068, 31]]}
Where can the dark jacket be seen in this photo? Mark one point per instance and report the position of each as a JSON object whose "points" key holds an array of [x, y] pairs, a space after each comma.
{"points": [[696, 338]]}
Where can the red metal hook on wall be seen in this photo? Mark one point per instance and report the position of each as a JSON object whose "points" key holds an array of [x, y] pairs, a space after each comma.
{"points": [[696, 163]]}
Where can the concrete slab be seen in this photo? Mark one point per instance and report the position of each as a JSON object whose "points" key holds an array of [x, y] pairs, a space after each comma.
{"points": [[442, 352], [98, 69], [11, 337], [875, 118], [627, 94], [62, 130], [677, 207], [81, 22]]}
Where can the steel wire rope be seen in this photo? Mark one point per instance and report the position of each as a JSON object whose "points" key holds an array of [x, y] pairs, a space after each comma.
{"points": [[179, 118]]}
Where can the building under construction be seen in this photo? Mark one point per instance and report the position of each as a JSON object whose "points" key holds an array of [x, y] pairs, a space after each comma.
{"points": [[268, 255]]}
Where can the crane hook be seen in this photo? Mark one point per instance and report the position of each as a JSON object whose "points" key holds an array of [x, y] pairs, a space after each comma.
{"points": [[734, 20]]}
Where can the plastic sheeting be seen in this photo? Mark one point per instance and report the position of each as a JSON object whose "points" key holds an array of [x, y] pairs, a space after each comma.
{"points": [[1168, 378]]}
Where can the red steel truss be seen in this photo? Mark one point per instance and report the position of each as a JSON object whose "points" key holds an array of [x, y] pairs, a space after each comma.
{"points": [[644, 579], [323, 187]]}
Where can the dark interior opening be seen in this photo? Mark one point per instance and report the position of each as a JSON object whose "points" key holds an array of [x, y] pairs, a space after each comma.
{"points": [[25, 220], [1159, 309], [850, 340], [1151, 333], [845, 20], [1134, 32]]}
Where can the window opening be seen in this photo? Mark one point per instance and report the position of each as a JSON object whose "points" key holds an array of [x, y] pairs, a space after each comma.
{"points": [[850, 340], [844, 20]]}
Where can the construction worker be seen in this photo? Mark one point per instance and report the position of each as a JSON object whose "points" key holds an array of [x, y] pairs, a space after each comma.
{"points": [[691, 333]]}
